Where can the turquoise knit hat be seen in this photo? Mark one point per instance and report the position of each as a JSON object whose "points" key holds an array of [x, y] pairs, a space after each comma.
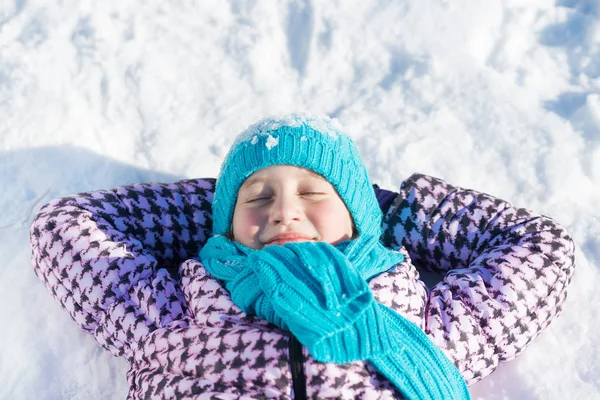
{"points": [[317, 144]]}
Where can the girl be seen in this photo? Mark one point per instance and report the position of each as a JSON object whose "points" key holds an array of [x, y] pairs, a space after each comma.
{"points": [[295, 295]]}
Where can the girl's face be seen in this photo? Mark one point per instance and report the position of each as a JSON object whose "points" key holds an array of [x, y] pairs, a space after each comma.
{"points": [[284, 203]]}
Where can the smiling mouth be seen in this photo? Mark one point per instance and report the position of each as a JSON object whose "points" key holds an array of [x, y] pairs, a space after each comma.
{"points": [[289, 237]]}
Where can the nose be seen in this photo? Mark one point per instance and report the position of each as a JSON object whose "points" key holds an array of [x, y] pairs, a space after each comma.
{"points": [[285, 210]]}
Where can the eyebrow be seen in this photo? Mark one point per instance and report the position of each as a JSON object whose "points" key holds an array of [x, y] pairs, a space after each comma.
{"points": [[316, 175], [251, 181]]}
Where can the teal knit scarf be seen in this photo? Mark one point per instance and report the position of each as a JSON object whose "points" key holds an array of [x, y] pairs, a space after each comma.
{"points": [[226, 261], [413, 363]]}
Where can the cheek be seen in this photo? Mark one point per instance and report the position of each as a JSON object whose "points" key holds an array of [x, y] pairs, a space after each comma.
{"points": [[333, 219], [245, 226]]}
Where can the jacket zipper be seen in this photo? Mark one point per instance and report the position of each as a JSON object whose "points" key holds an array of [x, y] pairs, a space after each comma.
{"points": [[297, 365]]}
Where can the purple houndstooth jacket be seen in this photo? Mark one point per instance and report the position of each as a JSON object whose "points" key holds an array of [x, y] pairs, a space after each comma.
{"points": [[121, 263]]}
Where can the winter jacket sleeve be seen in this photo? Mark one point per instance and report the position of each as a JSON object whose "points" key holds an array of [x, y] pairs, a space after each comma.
{"points": [[506, 269], [103, 255]]}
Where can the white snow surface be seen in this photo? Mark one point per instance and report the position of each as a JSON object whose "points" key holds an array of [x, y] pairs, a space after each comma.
{"points": [[322, 124], [502, 96]]}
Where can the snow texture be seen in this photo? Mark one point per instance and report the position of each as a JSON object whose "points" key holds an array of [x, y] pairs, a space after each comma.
{"points": [[266, 126], [502, 96]]}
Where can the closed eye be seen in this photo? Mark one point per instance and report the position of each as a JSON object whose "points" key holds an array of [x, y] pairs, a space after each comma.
{"points": [[258, 199], [312, 193]]}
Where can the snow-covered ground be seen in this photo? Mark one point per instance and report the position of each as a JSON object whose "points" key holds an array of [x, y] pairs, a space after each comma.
{"points": [[502, 96]]}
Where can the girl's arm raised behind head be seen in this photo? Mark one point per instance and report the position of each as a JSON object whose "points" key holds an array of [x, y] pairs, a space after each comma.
{"points": [[101, 254], [506, 269]]}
